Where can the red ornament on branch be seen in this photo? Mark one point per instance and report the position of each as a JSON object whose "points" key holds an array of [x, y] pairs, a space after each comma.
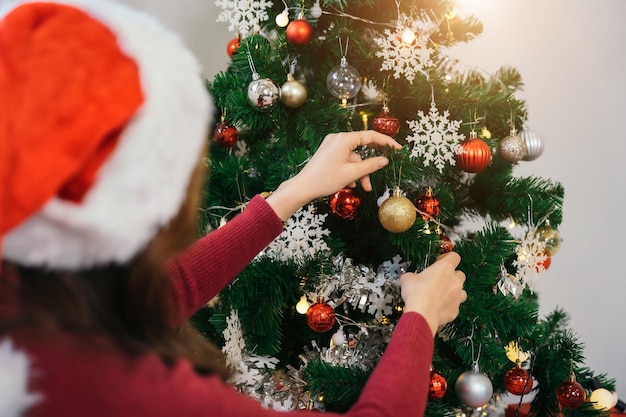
{"points": [[445, 244], [345, 203], [570, 394], [320, 317], [225, 135], [427, 205], [474, 155], [386, 123], [232, 46], [299, 31], [518, 380], [438, 385]]}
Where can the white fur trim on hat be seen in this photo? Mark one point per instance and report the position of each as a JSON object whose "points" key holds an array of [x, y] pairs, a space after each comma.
{"points": [[14, 374], [142, 184]]}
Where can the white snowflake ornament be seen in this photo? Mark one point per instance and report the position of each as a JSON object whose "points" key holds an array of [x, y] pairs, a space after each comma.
{"points": [[530, 261], [435, 138], [394, 267], [302, 237], [243, 16], [406, 59], [234, 343]]}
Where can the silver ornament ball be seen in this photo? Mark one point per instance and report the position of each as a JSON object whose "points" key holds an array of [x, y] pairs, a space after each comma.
{"points": [[293, 93], [263, 93], [534, 144], [473, 388], [512, 148]]}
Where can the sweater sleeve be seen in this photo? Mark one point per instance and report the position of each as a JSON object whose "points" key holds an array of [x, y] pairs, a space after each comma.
{"points": [[399, 384], [214, 261]]}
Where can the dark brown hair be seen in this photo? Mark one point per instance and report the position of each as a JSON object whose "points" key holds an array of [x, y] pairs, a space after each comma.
{"points": [[133, 304]]}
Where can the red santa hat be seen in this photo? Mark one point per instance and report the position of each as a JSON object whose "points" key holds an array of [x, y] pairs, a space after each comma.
{"points": [[103, 115]]}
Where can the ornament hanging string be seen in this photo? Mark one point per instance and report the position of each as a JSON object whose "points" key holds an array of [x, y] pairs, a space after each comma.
{"points": [[530, 211], [255, 75], [470, 339], [343, 52], [432, 93]]}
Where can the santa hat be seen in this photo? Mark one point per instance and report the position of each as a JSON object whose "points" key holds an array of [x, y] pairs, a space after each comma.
{"points": [[103, 115]]}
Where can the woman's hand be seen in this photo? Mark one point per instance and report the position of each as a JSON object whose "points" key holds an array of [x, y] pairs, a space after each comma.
{"points": [[436, 292], [333, 166]]}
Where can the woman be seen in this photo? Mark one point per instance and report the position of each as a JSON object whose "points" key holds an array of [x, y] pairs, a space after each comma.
{"points": [[103, 122]]}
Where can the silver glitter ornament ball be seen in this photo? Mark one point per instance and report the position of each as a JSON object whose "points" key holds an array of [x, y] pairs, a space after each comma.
{"points": [[512, 148], [473, 388], [263, 93], [534, 144]]}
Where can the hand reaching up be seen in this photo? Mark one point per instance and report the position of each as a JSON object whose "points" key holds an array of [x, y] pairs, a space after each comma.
{"points": [[436, 292], [333, 166]]}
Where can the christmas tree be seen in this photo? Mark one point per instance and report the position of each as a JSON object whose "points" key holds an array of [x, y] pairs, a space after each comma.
{"points": [[308, 320]]}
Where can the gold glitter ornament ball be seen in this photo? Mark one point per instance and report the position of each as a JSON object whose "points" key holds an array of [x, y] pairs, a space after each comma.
{"points": [[397, 213], [512, 148], [550, 237]]}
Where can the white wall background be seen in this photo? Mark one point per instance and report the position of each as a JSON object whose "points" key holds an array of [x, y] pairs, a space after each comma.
{"points": [[572, 57]]}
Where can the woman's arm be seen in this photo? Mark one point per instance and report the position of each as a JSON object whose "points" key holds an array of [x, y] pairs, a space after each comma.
{"points": [[212, 262]]}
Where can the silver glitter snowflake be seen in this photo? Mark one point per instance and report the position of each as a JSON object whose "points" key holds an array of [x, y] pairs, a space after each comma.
{"points": [[243, 16], [406, 59], [303, 236], [435, 138], [531, 255]]}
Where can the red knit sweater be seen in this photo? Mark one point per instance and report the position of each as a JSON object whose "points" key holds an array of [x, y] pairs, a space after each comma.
{"points": [[75, 380]]}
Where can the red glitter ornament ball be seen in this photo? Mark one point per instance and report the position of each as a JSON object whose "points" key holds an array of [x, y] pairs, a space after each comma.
{"points": [[320, 317], [386, 123], [445, 244], [299, 32], [232, 46], [475, 154], [518, 381], [438, 386], [570, 394], [225, 135], [345, 203], [427, 205]]}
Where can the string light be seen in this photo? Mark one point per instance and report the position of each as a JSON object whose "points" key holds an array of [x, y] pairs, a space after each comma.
{"points": [[303, 305], [408, 37], [316, 10], [282, 19]]}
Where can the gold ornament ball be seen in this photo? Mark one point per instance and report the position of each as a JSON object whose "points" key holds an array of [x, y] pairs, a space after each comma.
{"points": [[551, 238], [397, 214], [512, 148], [293, 93]]}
